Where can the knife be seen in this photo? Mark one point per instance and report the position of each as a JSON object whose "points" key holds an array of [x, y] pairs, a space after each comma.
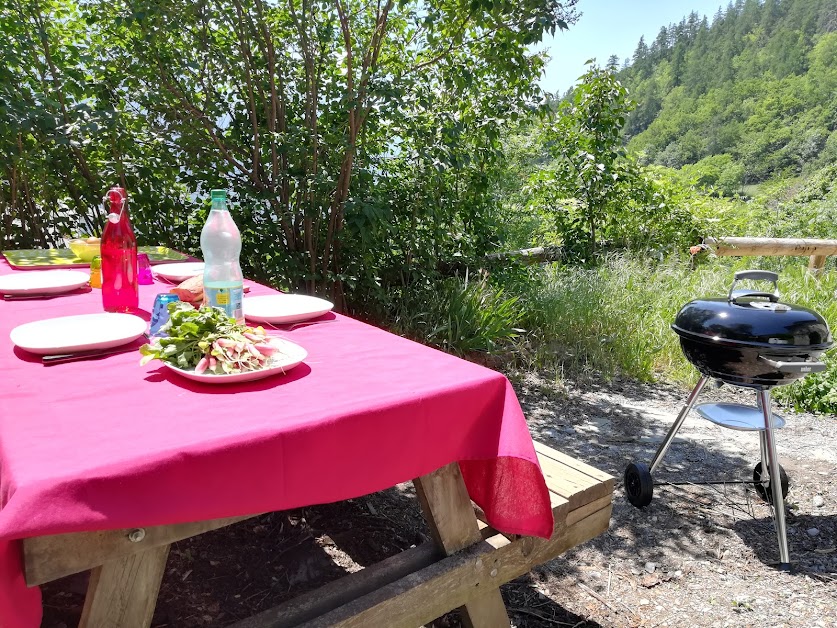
{"points": [[61, 358], [42, 297], [292, 326]]}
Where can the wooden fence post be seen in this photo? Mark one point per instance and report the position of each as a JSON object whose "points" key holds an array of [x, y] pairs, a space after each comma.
{"points": [[816, 264]]}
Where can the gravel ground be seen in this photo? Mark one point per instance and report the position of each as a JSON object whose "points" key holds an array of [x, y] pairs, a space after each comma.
{"points": [[698, 555]]}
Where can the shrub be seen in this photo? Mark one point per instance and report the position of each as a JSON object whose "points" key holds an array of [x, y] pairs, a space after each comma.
{"points": [[815, 393], [462, 317]]}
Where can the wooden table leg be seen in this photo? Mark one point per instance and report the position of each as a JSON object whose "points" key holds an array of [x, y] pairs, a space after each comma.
{"points": [[453, 524], [123, 592]]}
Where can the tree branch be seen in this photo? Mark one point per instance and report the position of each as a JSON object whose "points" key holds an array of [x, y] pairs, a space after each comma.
{"points": [[169, 85], [247, 60]]}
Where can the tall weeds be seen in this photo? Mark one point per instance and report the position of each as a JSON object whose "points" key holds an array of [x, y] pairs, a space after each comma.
{"points": [[612, 319], [616, 318], [462, 317]]}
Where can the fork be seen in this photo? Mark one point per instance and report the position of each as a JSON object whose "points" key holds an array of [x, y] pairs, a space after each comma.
{"points": [[293, 326]]}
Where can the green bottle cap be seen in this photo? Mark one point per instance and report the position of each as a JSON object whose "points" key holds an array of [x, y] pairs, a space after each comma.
{"points": [[218, 195]]}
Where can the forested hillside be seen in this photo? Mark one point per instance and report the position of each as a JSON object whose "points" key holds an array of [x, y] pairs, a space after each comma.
{"points": [[748, 95]]}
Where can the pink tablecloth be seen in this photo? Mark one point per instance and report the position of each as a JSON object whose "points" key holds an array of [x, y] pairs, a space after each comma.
{"points": [[109, 444]]}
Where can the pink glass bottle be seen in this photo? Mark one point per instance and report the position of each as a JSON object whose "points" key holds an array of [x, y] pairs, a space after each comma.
{"points": [[120, 290]]}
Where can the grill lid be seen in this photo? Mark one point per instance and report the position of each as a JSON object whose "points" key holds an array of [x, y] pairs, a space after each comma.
{"points": [[749, 318]]}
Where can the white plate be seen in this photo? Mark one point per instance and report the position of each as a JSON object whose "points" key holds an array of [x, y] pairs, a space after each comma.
{"points": [[85, 332], [180, 271], [43, 281], [284, 308], [291, 355]]}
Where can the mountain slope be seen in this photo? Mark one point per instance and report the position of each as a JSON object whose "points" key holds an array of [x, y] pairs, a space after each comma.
{"points": [[757, 85]]}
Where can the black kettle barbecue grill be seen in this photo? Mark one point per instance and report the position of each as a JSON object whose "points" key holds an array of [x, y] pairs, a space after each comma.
{"points": [[750, 339]]}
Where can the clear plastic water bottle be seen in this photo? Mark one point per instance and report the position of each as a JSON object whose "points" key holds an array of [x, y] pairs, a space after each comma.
{"points": [[223, 282]]}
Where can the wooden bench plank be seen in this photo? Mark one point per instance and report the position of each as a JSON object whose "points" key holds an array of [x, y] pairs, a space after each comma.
{"points": [[572, 485], [575, 463], [586, 510], [576, 487], [560, 508], [427, 594], [560, 505], [330, 596]]}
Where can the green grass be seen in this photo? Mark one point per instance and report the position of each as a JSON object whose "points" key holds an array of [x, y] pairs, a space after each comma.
{"points": [[462, 317], [616, 318], [603, 321]]}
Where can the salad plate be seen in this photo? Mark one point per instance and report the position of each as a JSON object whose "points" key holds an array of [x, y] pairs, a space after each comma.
{"points": [[83, 332], [178, 272], [289, 355], [43, 282], [284, 308]]}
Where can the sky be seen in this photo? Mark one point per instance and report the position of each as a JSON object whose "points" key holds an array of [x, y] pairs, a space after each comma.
{"points": [[609, 27]]}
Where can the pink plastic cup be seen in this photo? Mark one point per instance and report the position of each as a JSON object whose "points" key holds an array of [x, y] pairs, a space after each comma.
{"points": [[144, 276]]}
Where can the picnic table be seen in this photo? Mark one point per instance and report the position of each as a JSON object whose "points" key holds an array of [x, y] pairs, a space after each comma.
{"points": [[104, 464]]}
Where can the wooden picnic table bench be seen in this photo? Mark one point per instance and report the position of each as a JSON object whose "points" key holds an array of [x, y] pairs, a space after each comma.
{"points": [[462, 569]]}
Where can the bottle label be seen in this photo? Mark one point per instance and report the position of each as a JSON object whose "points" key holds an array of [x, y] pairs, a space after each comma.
{"points": [[228, 299]]}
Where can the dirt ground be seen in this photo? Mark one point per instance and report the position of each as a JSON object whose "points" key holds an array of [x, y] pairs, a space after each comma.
{"points": [[700, 555]]}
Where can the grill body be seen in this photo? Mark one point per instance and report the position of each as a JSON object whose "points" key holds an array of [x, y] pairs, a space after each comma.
{"points": [[747, 341]]}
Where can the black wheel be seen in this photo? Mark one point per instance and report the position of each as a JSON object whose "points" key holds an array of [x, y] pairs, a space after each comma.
{"points": [[639, 487], [765, 491]]}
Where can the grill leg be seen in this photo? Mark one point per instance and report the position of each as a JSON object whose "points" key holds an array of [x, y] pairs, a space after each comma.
{"points": [[765, 465], [658, 457], [769, 442]]}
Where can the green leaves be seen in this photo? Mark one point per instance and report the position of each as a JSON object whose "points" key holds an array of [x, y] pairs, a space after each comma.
{"points": [[342, 129], [816, 392], [589, 161], [580, 186], [754, 85]]}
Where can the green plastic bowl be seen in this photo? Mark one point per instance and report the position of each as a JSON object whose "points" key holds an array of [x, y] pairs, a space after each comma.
{"points": [[84, 250]]}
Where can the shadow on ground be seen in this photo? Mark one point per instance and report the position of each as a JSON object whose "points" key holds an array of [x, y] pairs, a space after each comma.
{"points": [[811, 543], [229, 574], [689, 520]]}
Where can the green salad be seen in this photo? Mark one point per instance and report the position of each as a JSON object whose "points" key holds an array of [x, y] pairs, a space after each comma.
{"points": [[209, 341]]}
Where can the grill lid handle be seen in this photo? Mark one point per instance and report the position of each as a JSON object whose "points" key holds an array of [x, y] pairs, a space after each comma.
{"points": [[755, 275], [794, 367]]}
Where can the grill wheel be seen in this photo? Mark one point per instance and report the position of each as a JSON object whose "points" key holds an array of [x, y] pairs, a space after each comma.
{"points": [[765, 491], [639, 486]]}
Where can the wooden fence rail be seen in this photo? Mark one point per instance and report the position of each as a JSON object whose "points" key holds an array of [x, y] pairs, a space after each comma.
{"points": [[816, 249], [536, 255]]}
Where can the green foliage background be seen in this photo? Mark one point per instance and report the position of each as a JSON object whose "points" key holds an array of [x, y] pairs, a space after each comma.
{"points": [[358, 138], [376, 152]]}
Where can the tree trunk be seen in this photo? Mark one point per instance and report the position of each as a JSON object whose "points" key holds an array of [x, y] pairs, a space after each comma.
{"points": [[592, 233]]}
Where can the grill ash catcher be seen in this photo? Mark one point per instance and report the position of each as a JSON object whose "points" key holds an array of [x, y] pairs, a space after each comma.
{"points": [[752, 340]]}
